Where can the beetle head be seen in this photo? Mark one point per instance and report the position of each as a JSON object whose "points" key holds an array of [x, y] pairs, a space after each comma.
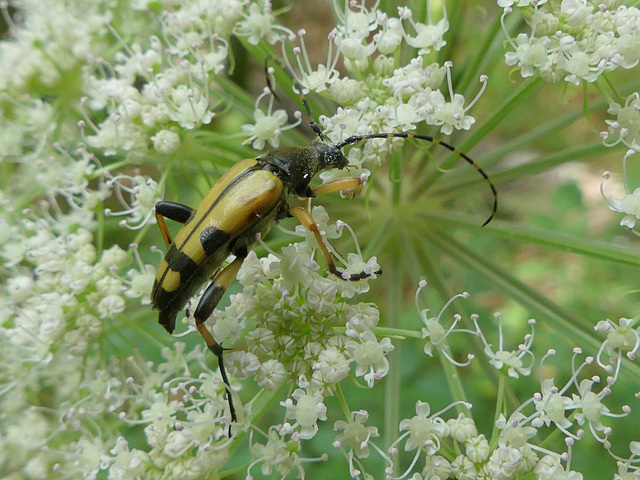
{"points": [[330, 156]]}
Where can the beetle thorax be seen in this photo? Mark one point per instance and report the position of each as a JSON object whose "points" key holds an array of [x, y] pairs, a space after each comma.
{"points": [[297, 166]]}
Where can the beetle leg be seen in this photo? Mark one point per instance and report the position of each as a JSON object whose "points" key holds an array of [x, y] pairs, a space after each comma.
{"points": [[338, 185], [308, 222], [173, 211], [210, 299]]}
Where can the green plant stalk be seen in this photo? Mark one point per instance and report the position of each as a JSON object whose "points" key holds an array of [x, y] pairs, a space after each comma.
{"points": [[547, 238], [485, 55], [594, 150], [392, 383], [499, 408]]}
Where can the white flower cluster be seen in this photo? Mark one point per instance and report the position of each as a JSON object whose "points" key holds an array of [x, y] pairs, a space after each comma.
{"points": [[303, 329], [624, 129], [61, 293], [454, 448], [380, 95], [145, 95], [573, 40], [629, 203], [166, 83]]}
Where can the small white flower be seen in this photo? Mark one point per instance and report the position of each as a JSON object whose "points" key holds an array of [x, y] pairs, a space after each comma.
{"points": [[389, 39], [513, 433], [509, 360], [115, 134], [477, 448], [143, 194], [424, 431], [166, 142], [462, 428], [354, 434], [428, 37], [589, 406], [621, 338], [529, 54], [241, 364], [270, 375], [189, 107], [346, 90], [551, 405], [434, 331], [268, 126], [258, 24], [369, 355], [629, 204], [463, 468], [275, 454], [504, 462], [331, 367], [110, 306], [451, 114], [306, 412]]}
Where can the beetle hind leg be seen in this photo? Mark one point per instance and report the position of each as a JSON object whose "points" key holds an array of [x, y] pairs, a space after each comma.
{"points": [[173, 211], [308, 222], [210, 299]]}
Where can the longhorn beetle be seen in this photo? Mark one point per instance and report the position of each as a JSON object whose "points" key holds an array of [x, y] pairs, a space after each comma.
{"points": [[244, 203]]}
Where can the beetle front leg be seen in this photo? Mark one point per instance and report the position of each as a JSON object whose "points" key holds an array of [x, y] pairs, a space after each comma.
{"points": [[173, 211], [338, 185], [308, 222], [210, 299]]}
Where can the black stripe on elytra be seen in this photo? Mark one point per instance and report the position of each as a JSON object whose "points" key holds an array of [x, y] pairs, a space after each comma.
{"points": [[179, 261], [163, 301], [212, 239], [195, 226]]}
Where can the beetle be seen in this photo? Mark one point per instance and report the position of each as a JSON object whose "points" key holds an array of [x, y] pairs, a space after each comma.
{"points": [[242, 205]]}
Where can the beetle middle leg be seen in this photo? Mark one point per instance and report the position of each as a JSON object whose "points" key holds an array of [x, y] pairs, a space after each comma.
{"points": [[210, 299], [308, 222]]}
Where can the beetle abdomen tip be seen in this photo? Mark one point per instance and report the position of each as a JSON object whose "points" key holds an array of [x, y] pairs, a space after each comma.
{"points": [[168, 320]]}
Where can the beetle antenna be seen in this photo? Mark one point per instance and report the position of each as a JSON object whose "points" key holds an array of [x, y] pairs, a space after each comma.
{"points": [[299, 89], [359, 138]]}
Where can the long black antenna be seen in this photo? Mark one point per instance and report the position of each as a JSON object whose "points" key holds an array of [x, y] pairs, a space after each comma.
{"points": [[361, 138]]}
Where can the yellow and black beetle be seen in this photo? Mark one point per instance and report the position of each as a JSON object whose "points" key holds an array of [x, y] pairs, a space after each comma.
{"points": [[243, 204]]}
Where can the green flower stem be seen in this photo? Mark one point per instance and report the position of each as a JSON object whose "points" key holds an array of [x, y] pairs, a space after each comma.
{"points": [[397, 333], [111, 167], [343, 402], [548, 238], [455, 20], [392, 382], [138, 324], [500, 404], [594, 150], [99, 240], [484, 58]]}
